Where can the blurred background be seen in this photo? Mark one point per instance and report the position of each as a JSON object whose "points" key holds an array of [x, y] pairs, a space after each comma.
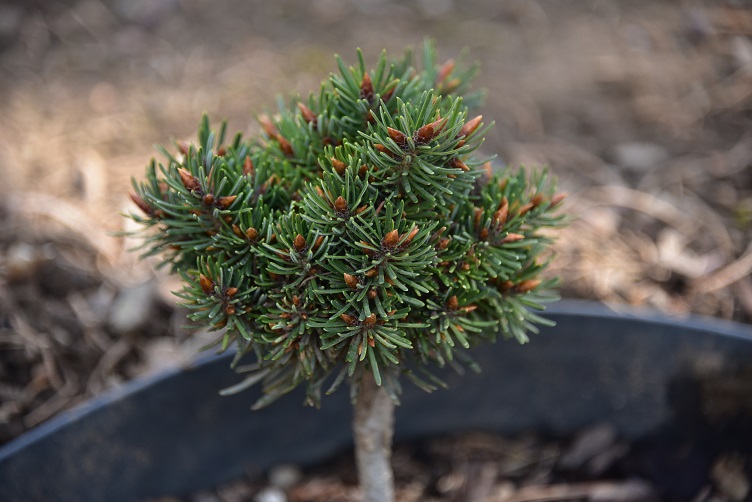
{"points": [[642, 108]]}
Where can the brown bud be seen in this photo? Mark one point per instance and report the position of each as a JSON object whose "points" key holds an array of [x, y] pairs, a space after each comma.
{"points": [[388, 94], [208, 199], [295, 300], [226, 201], [505, 285], [207, 285], [397, 136], [458, 164], [142, 205], [351, 281], [366, 87], [470, 126], [429, 131], [248, 168], [390, 239], [190, 182], [362, 171], [221, 151], [411, 235], [499, 218], [230, 310], [372, 294], [537, 199], [307, 113], [338, 165], [340, 205], [513, 238], [468, 308], [452, 303], [236, 230], [370, 320], [317, 244], [360, 210], [465, 266], [371, 342], [269, 128], [488, 170], [371, 272], [451, 85], [501, 214], [445, 70], [526, 207], [230, 292], [348, 319], [381, 148], [183, 147], [478, 214], [367, 248], [285, 146], [251, 234], [299, 243], [483, 234], [528, 285], [443, 243], [557, 198]]}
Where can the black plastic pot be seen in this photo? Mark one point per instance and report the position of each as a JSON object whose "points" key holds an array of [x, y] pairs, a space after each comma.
{"points": [[170, 434]]}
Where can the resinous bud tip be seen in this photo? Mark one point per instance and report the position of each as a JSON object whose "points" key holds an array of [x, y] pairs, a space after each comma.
{"points": [[299, 243]]}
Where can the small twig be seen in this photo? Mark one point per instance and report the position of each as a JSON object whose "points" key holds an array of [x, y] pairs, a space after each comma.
{"points": [[625, 491], [88, 320], [726, 276], [59, 401], [660, 209], [107, 363], [66, 214], [743, 289]]}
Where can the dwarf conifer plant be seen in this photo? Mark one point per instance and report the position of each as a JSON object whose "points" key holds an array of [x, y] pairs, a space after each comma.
{"points": [[359, 237]]}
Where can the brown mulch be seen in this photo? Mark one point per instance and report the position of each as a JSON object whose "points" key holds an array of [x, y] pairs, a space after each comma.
{"points": [[643, 109], [596, 465]]}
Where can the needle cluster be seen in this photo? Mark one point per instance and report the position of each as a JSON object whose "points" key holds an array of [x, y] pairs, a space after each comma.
{"points": [[359, 231]]}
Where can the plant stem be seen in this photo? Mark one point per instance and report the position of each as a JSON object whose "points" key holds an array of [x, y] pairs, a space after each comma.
{"points": [[373, 428]]}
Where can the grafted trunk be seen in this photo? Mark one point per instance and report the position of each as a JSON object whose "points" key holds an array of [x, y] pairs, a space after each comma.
{"points": [[373, 428]]}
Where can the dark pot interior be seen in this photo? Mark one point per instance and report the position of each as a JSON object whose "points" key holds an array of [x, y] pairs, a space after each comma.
{"points": [[662, 381]]}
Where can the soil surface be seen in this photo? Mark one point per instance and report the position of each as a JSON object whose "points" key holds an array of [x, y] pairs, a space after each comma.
{"points": [[643, 109]]}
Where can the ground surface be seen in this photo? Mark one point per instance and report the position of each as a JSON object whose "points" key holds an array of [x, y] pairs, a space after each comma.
{"points": [[643, 109]]}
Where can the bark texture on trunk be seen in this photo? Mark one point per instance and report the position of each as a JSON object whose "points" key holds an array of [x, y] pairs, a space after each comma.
{"points": [[373, 428]]}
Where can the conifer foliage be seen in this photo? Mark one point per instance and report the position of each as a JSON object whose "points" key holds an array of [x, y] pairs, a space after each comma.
{"points": [[359, 232]]}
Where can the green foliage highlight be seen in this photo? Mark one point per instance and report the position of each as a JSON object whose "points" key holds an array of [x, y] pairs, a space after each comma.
{"points": [[358, 232]]}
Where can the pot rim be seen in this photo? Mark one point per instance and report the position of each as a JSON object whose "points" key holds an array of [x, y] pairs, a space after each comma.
{"points": [[573, 308]]}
